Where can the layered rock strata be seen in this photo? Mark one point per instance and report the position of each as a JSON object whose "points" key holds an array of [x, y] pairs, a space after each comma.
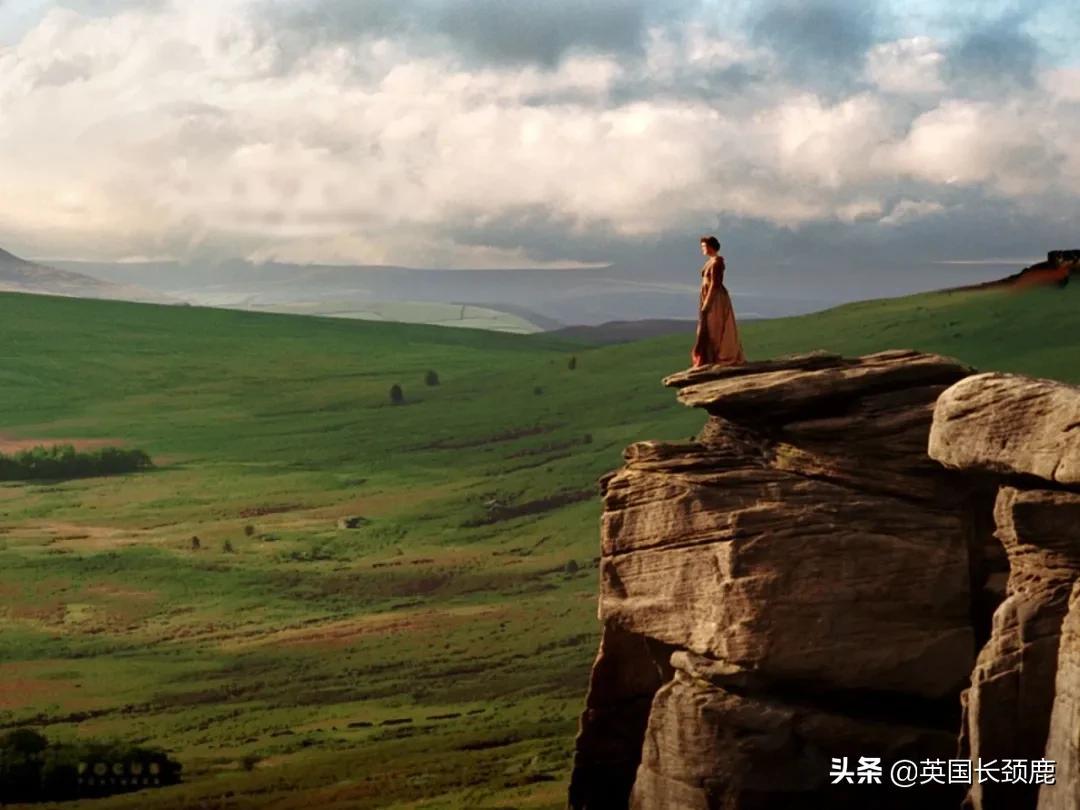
{"points": [[799, 582], [1026, 433], [1063, 740], [872, 556]]}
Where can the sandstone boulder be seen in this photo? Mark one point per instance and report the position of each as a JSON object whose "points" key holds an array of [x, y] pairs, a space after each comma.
{"points": [[809, 567], [794, 576], [1012, 686], [710, 747], [1063, 742], [775, 391], [803, 582], [1009, 425]]}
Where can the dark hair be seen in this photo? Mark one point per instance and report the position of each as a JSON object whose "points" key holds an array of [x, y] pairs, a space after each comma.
{"points": [[711, 241]]}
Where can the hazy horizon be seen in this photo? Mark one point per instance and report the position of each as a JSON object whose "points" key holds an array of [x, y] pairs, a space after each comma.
{"points": [[838, 152]]}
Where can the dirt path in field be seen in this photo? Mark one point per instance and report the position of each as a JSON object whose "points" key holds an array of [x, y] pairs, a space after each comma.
{"points": [[84, 537]]}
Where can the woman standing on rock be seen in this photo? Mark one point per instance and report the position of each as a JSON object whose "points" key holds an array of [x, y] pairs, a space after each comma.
{"points": [[717, 334]]}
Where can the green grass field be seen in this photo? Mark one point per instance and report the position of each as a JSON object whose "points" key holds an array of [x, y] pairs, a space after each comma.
{"points": [[435, 657]]}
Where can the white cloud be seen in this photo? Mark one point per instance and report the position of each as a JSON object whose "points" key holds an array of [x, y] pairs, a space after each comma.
{"points": [[909, 66], [911, 210], [151, 132], [1005, 147]]}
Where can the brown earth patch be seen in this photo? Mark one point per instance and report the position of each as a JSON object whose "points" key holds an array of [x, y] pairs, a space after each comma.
{"points": [[270, 509], [111, 591], [17, 693], [81, 537], [21, 686], [11, 444], [343, 632]]}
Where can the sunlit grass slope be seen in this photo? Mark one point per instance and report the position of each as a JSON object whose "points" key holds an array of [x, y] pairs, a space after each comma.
{"points": [[436, 656]]}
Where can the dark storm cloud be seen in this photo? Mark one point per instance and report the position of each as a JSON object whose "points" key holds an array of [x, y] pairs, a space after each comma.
{"points": [[739, 86], [994, 53], [826, 262], [496, 32], [345, 19], [541, 231], [543, 31], [817, 39]]}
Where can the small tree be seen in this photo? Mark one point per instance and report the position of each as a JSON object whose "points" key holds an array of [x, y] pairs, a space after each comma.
{"points": [[196, 544], [572, 364], [397, 396], [249, 530], [538, 390], [431, 378], [227, 547]]}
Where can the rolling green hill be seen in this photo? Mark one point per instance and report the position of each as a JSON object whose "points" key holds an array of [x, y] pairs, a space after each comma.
{"points": [[436, 656]]}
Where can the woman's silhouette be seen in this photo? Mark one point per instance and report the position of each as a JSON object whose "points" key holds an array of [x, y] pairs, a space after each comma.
{"points": [[717, 334]]}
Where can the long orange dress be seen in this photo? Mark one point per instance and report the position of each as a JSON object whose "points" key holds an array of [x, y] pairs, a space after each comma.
{"points": [[720, 343]]}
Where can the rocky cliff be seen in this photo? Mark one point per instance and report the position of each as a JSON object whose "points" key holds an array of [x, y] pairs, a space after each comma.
{"points": [[805, 583], [1059, 267]]}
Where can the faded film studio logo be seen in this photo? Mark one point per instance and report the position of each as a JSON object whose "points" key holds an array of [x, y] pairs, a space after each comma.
{"points": [[99, 775]]}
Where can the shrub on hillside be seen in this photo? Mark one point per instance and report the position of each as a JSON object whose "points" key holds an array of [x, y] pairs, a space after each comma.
{"points": [[431, 378], [397, 396], [64, 461], [572, 364]]}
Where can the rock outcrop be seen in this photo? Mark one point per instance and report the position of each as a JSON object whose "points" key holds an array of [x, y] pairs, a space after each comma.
{"points": [[1059, 267], [1027, 433], [810, 567], [1063, 740], [805, 583], [1010, 425]]}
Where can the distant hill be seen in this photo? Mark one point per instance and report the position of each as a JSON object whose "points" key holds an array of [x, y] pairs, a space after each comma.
{"points": [[546, 297], [20, 275], [419, 312], [625, 331]]}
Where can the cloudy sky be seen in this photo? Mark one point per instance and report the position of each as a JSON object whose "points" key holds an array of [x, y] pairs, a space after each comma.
{"points": [[498, 133]]}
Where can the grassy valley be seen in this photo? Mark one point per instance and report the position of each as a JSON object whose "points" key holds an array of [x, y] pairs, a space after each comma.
{"points": [[435, 656]]}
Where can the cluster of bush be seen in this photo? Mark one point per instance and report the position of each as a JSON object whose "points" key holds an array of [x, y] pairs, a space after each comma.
{"points": [[64, 461], [34, 770], [397, 395]]}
